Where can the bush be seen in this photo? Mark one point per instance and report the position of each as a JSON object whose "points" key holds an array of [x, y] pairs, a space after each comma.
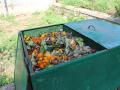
{"points": [[106, 6], [117, 7], [5, 80], [7, 58]]}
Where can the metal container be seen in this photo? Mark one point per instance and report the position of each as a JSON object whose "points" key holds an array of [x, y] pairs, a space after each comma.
{"points": [[97, 71]]}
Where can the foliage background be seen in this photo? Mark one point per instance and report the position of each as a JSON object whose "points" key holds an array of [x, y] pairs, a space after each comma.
{"points": [[108, 6]]}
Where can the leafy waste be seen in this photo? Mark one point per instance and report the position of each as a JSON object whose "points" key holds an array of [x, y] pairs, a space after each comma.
{"points": [[53, 48]]}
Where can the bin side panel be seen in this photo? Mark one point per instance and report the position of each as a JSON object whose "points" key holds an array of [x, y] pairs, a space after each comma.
{"points": [[38, 31], [20, 69], [97, 72]]}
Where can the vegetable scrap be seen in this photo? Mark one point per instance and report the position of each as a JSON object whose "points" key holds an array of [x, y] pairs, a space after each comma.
{"points": [[52, 48]]}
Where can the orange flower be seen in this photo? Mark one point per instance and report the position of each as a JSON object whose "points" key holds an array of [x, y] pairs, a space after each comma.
{"points": [[42, 64], [40, 55], [36, 40], [46, 60], [53, 57]]}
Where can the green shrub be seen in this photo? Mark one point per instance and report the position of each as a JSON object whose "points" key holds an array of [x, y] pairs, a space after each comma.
{"points": [[51, 17], [9, 18], [7, 58], [7, 43], [117, 7], [5, 80], [106, 6]]}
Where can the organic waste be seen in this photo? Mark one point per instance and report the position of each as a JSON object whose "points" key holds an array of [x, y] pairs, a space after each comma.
{"points": [[52, 48]]}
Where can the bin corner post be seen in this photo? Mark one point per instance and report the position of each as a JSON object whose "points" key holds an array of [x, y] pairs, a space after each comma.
{"points": [[20, 74]]}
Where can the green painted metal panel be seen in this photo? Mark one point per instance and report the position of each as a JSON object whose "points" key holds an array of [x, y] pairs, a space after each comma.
{"points": [[105, 33], [21, 73], [98, 71]]}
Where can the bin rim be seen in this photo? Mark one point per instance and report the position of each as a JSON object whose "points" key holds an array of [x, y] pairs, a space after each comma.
{"points": [[60, 65], [42, 71]]}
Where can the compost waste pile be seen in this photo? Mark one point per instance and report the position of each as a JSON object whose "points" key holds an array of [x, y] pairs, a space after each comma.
{"points": [[52, 48]]}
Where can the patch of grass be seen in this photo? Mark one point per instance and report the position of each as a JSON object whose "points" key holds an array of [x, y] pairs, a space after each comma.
{"points": [[9, 18], [5, 80], [7, 43], [107, 6], [117, 6], [51, 17], [7, 59]]}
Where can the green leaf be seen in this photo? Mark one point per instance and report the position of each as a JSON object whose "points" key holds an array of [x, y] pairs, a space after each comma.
{"points": [[43, 47], [31, 43], [80, 41]]}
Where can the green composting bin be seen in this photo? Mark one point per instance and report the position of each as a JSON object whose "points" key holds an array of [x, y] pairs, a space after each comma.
{"points": [[97, 71]]}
